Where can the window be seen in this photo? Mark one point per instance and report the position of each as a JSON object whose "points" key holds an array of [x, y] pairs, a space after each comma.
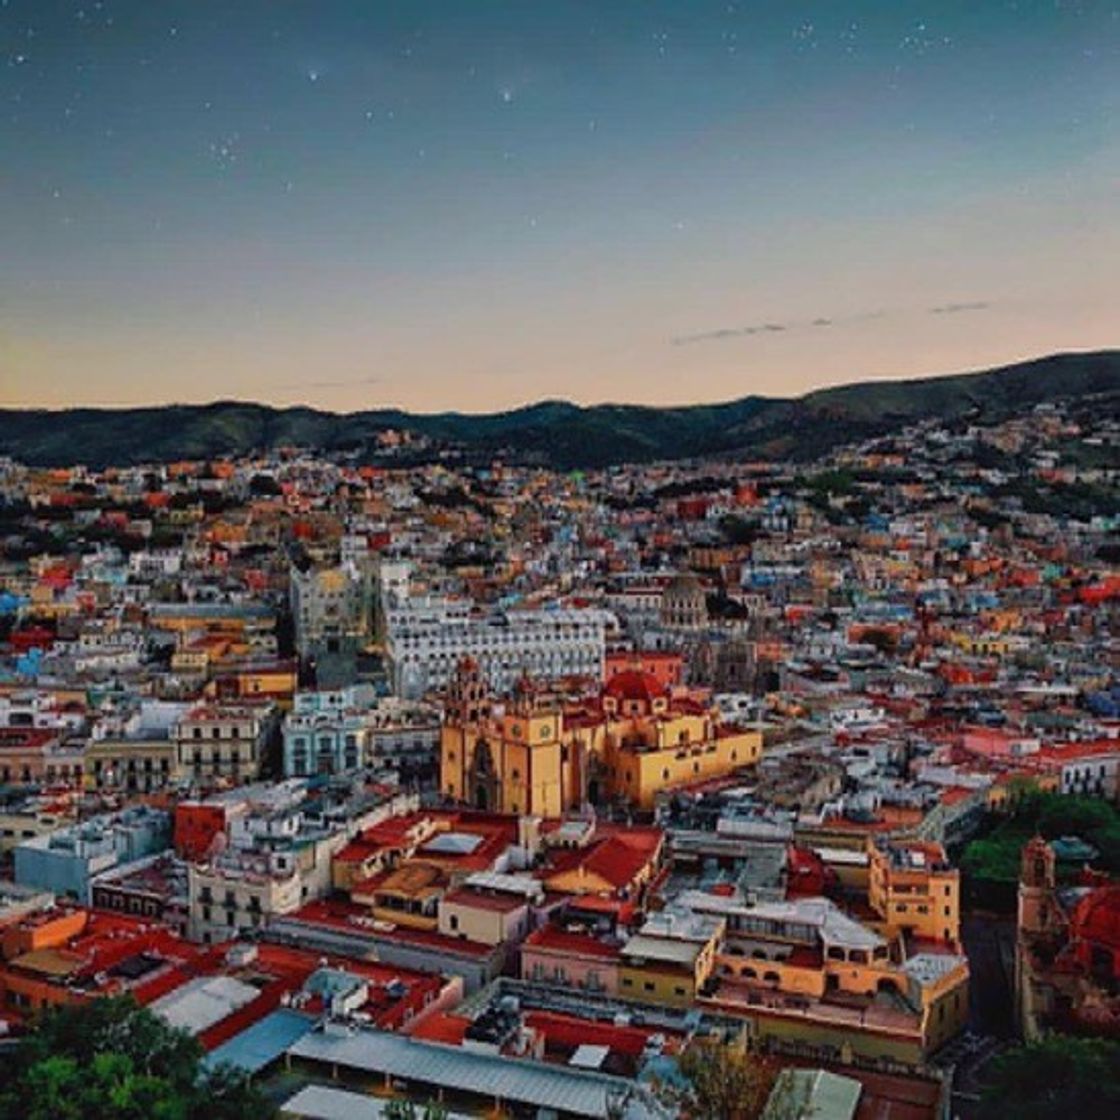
{"points": [[453, 921]]}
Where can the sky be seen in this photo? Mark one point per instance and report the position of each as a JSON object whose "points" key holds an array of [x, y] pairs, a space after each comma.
{"points": [[473, 205]]}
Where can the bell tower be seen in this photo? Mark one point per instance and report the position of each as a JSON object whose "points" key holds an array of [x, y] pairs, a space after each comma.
{"points": [[468, 697], [1036, 886], [467, 710]]}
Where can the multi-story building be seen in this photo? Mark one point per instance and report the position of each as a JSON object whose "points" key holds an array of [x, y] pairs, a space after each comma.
{"points": [[405, 735], [670, 959], [276, 856], [330, 732], [238, 890], [130, 765], [427, 638], [34, 755], [154, 888], [66, 860], [1090, 769], [30, 816], [219, 740], [804, 970], [542, 757], [333, 610], [327, 732], [913, 887], [683, 604]]}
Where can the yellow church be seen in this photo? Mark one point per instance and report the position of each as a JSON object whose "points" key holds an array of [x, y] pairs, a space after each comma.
{"points": [[539, 756]]}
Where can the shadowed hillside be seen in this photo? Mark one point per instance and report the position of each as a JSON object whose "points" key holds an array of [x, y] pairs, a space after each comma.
{"points": [[557, 433]]}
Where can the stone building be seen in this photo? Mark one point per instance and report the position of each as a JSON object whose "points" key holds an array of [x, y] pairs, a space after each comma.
{"points": [[683, 604]]}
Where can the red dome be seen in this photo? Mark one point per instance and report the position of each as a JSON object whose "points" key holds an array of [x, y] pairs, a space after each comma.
{"points": [[633, 684], [1097, 918]]}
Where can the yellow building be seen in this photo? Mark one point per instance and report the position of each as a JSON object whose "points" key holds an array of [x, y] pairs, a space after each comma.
{"points": [[803, 969], [406, 896], [670, 959], [543, 757], [275, 681], [913, 888], [191, 661]]}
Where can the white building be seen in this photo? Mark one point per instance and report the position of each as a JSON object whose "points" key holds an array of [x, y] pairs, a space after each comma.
{"points": [[426, 638]]}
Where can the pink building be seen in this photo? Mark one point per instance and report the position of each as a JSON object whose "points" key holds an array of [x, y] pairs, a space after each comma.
{"points": [[570, 960]]}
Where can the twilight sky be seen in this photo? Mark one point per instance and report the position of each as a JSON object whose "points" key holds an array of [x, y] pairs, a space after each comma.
{"points": [[474, 204]]}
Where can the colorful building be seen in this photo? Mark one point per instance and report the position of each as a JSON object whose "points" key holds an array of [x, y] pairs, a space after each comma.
{"points": [[541, 756]]}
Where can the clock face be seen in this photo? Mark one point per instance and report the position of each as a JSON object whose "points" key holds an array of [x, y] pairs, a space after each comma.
{"points": [[546, 731]]}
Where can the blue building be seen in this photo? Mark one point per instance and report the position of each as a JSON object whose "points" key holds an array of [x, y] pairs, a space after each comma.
{"points": [[65, 861]]}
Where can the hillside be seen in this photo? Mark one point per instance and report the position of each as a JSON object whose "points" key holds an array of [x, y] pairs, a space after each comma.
{"points": [[557, 433]]}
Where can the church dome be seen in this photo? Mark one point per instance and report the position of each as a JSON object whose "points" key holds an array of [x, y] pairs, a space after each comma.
{"points": [[633, 684]]}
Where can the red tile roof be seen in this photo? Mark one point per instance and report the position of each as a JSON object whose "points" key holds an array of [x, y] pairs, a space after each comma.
{"points": [[553, 939]]}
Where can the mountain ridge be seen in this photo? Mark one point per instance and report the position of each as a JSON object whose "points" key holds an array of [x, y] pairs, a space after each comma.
{"points": [[559, 433]]}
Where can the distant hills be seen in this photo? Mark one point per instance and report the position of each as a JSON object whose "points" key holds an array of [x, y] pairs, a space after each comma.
{"points": [[557, 433]]}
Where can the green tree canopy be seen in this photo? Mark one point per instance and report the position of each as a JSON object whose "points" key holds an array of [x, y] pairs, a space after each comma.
{"points": [[110, 1059], [1059, 1077]]}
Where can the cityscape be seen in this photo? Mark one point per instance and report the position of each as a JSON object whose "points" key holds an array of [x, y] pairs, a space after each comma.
{"points": [[460, 678]]}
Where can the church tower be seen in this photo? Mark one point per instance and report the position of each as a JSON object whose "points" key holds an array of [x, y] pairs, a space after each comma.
{"points": [[468, 698], [467, 772], [1036, 886]]}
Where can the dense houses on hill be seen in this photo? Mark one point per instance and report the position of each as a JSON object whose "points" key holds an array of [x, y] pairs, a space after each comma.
{"points": [[508, 787]]}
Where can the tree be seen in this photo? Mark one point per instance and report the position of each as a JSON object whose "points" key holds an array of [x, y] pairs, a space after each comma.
{"points": [[110, 1059], [727, 1082], [1058, 1077]]}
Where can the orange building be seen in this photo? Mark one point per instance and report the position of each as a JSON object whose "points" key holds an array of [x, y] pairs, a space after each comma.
{"points": [[913, 888], [667, 668]]}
